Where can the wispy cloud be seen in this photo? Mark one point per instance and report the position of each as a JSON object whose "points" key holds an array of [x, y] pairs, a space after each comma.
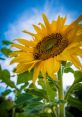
{"points": [[28, 18]]}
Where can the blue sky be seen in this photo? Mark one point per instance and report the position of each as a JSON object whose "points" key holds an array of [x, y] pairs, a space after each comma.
{"points": [[15, 14]]}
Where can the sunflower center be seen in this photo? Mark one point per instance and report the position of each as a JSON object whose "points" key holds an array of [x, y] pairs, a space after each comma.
{"points": [[50, 46]]}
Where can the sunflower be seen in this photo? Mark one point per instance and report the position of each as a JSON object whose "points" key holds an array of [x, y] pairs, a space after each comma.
{"points": [[51, 44]]}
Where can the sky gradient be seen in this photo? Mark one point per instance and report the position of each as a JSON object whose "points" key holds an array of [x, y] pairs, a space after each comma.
{"points": [[17, 15]]}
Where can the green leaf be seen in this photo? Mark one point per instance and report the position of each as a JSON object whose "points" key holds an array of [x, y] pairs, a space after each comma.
{"points": [[74, 87], [77, 76], [3, 113], [68, 64], [63, 63], [68, 69], [5, 51], [53, 84], [21, 114], [50, 92], [31, 85], [6, 42], [34, 107], [25, 77], [77, 86], [23, 98], [68, 114], [6, 104], [40, 75], [41, 83], [6, 74], [37, 92], [6, 92], [24, 86], [2, 58], [75, 103], [45, 114], [5, 77]]}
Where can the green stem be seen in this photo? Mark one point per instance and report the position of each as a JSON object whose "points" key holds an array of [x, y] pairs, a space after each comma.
{"points": [[13, 112], [61, 94]]}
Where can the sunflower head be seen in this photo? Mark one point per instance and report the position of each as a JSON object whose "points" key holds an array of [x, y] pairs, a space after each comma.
{"points": [[52, 43], [50, 46]]}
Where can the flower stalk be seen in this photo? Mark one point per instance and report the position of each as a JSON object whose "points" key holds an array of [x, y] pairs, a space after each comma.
{"points": [[61, 94]]}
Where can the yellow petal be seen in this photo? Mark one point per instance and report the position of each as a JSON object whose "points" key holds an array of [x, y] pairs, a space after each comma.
{"points": [[49, 67], [53, 26], [22, 68], [44, 30], [76, 62], [27, 32], [33, 64], [42, 26], [26, 42], [71, 36], [23, 48], [40, 32], [43, 68], [76, 51], [58, 24], [46, 23], [56, 64], [64, 56], [37, 38], [21, 53], [54, 77], [79, 52], [64, 20], [36, 72], [79, 28], [37, 29], [22, 59], [15, 53], [63, 26], [73, 25], [72, 45]]}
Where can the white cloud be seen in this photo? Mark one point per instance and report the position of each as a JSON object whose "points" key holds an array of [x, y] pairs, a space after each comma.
{"points": [[68, 79], [26, 20]]}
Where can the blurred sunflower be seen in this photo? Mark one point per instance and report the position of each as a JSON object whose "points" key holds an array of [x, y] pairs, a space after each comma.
{"points": [[51, 44]]}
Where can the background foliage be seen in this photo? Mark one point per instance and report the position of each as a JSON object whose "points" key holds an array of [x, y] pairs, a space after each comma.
{"points": [[40, 100]]}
